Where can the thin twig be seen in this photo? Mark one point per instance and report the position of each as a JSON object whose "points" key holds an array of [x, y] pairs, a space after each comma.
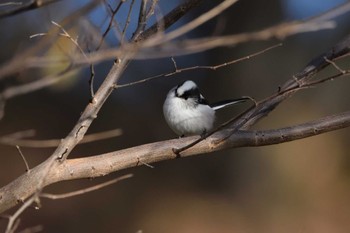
{"points": [[85, 190], [91, 83], [127, 21], [24, 159], [150, 10], [193, 24], [174, 62], [111, 21], [177, 151], [335, 65], [215, 67], [78, 132], [11, 4], [169, 19], [11, 140], [251, 114], [75, 41], [13, 218], [23, 6], [141, 25]]}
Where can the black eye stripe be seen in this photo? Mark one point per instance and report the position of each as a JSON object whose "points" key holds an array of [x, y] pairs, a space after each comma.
{"points": [[193, 93], [186, 94]]}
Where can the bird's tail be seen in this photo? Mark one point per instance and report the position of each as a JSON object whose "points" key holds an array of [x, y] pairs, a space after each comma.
{"points": [[226, 103]]}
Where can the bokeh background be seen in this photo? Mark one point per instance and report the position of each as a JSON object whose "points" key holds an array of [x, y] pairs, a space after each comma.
{"points": [[300, 186]]}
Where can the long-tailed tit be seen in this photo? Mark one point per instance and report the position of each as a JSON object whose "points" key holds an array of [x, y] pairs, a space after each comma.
{"points": [[188, 113]]}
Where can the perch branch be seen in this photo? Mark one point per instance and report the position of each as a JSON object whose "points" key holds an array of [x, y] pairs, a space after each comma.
{"points": [[101, 165]]}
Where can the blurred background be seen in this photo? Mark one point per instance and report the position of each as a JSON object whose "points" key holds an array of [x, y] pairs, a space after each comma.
{"points": [[300, 186]]}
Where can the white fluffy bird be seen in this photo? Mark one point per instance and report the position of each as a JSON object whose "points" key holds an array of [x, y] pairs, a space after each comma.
{"points": [[188, 113]]}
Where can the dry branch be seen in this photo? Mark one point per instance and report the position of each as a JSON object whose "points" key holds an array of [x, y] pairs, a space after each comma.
{"points": [[58, 168], [18, 62], [198, 67], [21, 7], [12, 140], [73, 138], [104, 164], [86, 190]]}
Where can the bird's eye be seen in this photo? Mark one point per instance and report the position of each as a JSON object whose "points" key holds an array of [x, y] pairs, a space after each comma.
{"points": [[186, 94]]}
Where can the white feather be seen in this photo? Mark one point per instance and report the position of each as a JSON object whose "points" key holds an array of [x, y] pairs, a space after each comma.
{"points": [[186, 111], [185, 117]]}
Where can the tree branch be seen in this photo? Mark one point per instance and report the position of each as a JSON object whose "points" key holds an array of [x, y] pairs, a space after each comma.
{"points": [[101, 165], [25, 6], [77, 133], [58, 168]]}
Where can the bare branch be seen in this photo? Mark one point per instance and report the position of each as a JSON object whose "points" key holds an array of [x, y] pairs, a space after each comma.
{"points": [[11, 4], [104, 164], [170, 18], [190, 46], [127, 21], [58, 167], [10, 140], [49, 80], [79, 130], [215, 67], [141, 25], [23, 6], [91, 83], [24, 159], [92, 109], [191, 25], [335, 66], [110, 24], [12, 219], [86, 190], [18, 63], [298, 82]]}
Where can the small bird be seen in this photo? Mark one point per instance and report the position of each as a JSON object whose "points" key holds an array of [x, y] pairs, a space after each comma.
{"points": [[188, 113]]}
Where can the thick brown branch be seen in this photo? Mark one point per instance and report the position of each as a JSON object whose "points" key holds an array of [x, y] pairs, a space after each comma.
{"points": [[104, 164]]}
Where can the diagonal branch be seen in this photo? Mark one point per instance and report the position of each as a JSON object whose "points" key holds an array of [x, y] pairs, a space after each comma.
{"points": [[300, 81], [72, 139], [92, 109]]}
